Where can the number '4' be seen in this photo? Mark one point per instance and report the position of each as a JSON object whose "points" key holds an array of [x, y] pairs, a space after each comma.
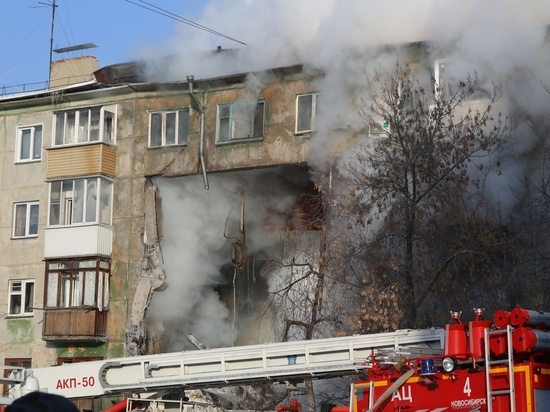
{"points": [[467, 390]]}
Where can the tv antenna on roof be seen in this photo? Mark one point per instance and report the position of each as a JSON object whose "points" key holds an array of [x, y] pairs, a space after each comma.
{"points": [[53, 6], [75, 48]]}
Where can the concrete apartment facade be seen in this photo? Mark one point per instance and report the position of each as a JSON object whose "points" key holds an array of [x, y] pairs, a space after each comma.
{"points": [[79, 221]]}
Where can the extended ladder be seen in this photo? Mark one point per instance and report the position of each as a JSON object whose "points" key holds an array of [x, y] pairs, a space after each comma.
{"points": [[509, 361], [210, 368]]}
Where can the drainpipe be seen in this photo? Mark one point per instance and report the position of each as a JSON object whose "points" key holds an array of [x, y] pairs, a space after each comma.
{"points": [[190, 79]]}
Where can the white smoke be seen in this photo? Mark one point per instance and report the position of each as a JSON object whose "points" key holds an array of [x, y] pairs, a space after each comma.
{"points": [[499, 40], [198, 229]]}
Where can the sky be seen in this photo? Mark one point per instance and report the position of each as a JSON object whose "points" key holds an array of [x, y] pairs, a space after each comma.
{"points": [[119, 28]]}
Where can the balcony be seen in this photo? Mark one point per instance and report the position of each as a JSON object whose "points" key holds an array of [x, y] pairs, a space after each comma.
{"points": [[83, 160], [78, 241], [75, 324]]}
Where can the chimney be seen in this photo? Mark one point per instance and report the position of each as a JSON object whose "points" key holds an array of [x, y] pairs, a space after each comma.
{"points": [[74, 70]]}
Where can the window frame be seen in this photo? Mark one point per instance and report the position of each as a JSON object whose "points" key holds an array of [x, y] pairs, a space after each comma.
{"points": [[9, 363], [66, 360], [33, 144], [442, 86], [256, 131], [67, 283], [25, 300], [73, 124], [437, 77], [312, 115], [88, 208], [28, 217], [180, 137]]}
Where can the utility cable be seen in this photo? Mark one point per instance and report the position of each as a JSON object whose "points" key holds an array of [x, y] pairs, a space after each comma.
{"points": [[70, 40], [60, 23], [166, 13], [192, 23], [18, 48]]}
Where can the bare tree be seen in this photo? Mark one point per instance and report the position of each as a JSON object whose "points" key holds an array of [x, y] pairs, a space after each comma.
{"points": [[415, 191], [305, 298], [532, 224]]}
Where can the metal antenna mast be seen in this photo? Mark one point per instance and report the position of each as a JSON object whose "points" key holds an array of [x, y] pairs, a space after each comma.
{"points": [[51, 44], [53, 6]]}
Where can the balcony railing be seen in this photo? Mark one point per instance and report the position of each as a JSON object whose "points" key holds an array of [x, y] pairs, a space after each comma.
{"points": [[73, 241], [82, 324]]}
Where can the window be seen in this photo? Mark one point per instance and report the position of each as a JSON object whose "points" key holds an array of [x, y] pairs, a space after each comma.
{"points": [[444, 80], [95, 124], [240, 120], [168, 128], [14, 363], [77, 283], [66, 361], [80, 201], [379, 128], [29, 144], [306, 109], [441, 77], [25, 220], [21, 297]]}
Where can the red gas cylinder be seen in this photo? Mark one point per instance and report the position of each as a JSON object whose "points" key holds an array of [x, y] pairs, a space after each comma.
{"points": [[498, 344], [294, 406], [118, 407], [531, 340], [501, 319], [477, 333], [533, 318], [456, 337]]}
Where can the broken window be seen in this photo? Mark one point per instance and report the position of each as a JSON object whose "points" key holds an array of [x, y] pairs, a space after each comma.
{"points": [[29, 144], [240, 120], [77, 282], [446, 82], [306, 108], [308, 213], [95, 124], [168, 128], [76, 201], [25, 219], [21, 297]]}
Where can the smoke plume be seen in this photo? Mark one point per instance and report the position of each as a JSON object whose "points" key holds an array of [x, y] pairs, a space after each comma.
{"points": [[198, 231], [499, 40]]}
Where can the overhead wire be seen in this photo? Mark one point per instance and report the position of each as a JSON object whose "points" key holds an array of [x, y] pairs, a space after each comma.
{"points": [[69, 37], [166, 13], [18, 48]]}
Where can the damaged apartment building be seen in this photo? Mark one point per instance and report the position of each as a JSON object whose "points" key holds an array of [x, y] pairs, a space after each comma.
{"points": [[114, 229], [82, 217]]}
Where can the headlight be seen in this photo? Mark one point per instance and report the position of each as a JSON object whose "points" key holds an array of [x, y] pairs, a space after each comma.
{"points": [[448, 364]]}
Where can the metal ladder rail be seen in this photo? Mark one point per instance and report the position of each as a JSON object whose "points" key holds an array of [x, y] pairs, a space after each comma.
{"points": [[318, 358], [509, 361]]}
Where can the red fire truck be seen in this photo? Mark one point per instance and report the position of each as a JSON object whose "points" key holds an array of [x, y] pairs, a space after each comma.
{"points": [[501, 365]]}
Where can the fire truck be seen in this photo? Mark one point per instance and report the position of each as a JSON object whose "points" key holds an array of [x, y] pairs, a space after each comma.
{"points": [[151, 375], [501, 365]]}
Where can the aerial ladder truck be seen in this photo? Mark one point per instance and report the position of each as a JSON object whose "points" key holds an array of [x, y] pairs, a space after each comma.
{"points": [[491, 366], [214, 368]]}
